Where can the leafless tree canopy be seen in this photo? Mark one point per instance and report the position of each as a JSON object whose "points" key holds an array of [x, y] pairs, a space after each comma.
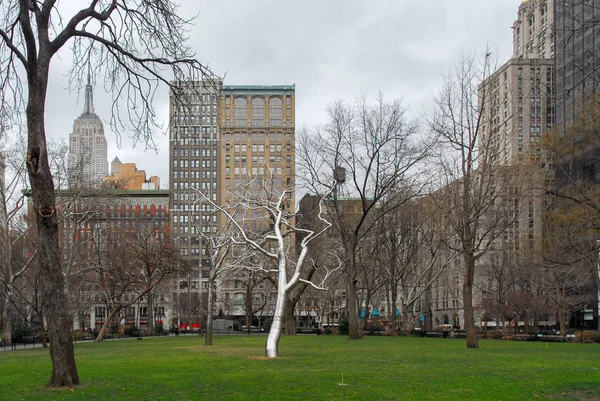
{"points": [[133, 45], [130, 46]]}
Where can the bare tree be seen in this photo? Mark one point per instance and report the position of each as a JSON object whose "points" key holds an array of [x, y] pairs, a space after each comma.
{"points": [[133, 43], [475, 189], [374, 150], [131, 265], [409, 246], [12, 231], [273, 242]]}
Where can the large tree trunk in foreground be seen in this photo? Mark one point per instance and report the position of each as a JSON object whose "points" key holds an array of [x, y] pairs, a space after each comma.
{"points": [[470, 330], [54, 300]]}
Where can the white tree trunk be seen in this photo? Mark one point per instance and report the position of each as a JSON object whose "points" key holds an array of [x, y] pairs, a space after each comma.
{"points": [[272, 345]]}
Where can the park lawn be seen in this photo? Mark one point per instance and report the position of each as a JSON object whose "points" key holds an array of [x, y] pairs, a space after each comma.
{"points": [[311, 368]]}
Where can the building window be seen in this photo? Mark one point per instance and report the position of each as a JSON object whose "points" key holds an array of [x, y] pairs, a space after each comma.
{"points": [[240, 114], [275, 111], [258, 112]]}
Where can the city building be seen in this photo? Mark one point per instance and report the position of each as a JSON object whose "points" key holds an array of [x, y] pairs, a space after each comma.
{"points": [[257, 125], [127, 176], [223, 138], [88, 149], [194, 165], [577, 58], [533, 30]]}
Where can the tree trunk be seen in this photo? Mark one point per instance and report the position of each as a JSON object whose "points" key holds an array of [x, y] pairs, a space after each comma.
{"points": [[393, 307], [151, 320], [470, 330], [272, 344], [109, 319], [209, 313], [64, 369], [353, 332], [6, 319], [351, 297], [248, 304], [43, 337], [290, 318]]}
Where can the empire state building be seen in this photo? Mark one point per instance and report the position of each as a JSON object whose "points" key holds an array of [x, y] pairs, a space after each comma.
{"points": [[88, 150]]}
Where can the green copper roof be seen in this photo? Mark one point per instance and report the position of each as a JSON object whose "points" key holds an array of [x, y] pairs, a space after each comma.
{"points": [[259, 87]]}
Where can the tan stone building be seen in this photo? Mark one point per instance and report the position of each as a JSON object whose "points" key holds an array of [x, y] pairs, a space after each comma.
{"points": [[533, 31], [223, 137], [257, 125], [127, 176]]}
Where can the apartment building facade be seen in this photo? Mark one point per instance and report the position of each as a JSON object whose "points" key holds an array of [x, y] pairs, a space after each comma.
{"points": [[223, 140]]}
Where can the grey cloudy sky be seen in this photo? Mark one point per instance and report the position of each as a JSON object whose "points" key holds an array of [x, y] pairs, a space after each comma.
{"points": [[331, 50]]}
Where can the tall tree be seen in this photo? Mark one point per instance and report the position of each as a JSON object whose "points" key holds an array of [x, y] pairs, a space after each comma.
{"points": [[378, 150], [132, 44], [474, 188]]}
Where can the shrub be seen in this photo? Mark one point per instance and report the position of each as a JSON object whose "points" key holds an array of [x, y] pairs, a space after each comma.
{"points": [[587, 336], [374, 329], [20, 331], [237, 326], [344, 326], [159, 330], [130, 331], [328, 330]]}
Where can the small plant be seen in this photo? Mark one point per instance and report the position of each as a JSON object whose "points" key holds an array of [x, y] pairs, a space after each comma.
{"points": [[587, 336], [343, 326], [130, 331], [20, 331], [237, 326]]}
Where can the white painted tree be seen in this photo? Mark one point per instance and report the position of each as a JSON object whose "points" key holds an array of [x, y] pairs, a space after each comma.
{"points": [[272, 243]]}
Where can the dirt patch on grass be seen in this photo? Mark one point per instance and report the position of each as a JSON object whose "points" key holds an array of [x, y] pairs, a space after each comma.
{"points": [[576, 396]]}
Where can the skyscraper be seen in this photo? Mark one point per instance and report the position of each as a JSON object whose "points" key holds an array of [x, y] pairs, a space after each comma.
{"points": [[88, 150], [193, 166], [577, 59], [223, 137]]}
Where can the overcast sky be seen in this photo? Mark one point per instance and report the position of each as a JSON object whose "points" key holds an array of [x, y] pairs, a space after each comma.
{"points": [[331, 50]]}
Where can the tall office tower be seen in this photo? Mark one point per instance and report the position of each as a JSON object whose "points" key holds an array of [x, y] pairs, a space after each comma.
{"points": [[518, 108], [194, 166], [577, 57], [532, 31], [88, 149], [257, 131]]}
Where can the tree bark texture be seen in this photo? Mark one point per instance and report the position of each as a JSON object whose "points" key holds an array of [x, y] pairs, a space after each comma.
{"points": [[470, 330], [209, 313], [6, 319], [54, 300], [290, 318], [353, 332]]}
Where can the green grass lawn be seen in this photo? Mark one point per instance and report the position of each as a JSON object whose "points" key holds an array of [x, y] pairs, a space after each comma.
{"points": [[311, 368]]}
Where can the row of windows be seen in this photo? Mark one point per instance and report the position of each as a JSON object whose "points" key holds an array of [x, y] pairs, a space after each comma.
{"points": [[195, 174], [194, 163]]}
